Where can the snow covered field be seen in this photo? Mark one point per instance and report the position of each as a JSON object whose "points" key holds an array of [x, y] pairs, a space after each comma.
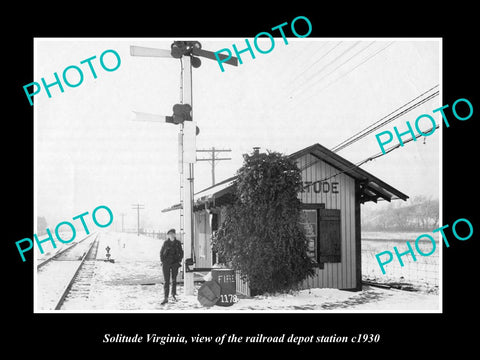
{"points": [[422, 273], [134, 283]]}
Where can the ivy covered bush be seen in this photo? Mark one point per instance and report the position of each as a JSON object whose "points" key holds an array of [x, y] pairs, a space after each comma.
{"points": [[260, 233]]}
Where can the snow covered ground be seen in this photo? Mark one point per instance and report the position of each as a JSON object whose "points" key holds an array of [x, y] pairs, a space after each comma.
{"points": [[53, 278], [134, 283], [52, 281], [396, 235], [423, 272], [370, 299]]}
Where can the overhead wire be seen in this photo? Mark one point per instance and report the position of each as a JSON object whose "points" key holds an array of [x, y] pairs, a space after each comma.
{"points": [[316, 61], [370, 158], [280, 100], [390, 149], [326, 65], [303, 99], [411, 108], [314, 93], [348, 72], [385, 120], [304, 52], [350, 58], [340, 65]]}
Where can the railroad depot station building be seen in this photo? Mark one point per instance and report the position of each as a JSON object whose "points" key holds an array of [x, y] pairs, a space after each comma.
{"points": [[331, 217]]}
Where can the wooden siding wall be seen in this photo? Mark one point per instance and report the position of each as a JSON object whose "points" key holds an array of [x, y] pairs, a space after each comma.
{"points": [[341, 275]]}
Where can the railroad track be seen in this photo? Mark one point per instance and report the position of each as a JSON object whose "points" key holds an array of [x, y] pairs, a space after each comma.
{"points": [[80, 285], [63, 251], [77, 263], [85, 270]]}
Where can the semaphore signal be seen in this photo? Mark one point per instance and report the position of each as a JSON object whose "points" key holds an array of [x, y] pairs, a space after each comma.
{"points": [[188, 52]]}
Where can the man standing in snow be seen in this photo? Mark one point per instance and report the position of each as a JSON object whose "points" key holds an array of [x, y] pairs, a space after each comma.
{"points": [[171, 255]]}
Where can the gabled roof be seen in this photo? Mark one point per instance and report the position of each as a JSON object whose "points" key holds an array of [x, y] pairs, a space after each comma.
{"points": [[373, 188], [218, 189]]}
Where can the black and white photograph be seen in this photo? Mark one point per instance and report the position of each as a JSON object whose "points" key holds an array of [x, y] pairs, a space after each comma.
{"points": [[196, 181], [290, 174]]}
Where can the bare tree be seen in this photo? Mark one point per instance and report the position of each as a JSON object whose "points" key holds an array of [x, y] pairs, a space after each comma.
{"points": [[420, 213]]}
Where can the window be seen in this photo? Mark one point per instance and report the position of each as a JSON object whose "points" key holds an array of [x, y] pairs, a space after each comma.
{"points": [[203, 231], [309, 223], [329, 236], [322, 230], [214, 225]]}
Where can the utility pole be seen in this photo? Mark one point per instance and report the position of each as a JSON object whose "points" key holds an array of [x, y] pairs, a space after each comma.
{"points": [[138, 207], [212, 159], [122, 215]]}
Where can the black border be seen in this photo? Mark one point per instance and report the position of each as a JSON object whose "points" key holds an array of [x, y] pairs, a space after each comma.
{"points": [[426, 333]]}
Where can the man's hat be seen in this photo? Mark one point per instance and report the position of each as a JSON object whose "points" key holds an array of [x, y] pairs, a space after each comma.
{"points": [[171, 231]]}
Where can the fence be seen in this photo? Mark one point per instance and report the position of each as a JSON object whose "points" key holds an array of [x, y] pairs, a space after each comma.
{"points": [[424, 271], [155, 234], [242, 286]]}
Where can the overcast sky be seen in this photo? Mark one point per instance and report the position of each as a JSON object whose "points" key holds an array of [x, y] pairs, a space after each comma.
{"points": [[89, 152]]}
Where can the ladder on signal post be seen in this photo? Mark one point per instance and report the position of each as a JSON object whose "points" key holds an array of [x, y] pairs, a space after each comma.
{"points": [[182, 185]]}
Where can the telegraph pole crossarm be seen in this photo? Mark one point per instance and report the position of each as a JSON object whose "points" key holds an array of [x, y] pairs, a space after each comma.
{"points": [[138, 207], [213, 158]]}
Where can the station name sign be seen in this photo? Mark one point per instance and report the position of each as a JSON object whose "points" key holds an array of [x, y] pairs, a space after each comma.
{"points": [[320, 187]]}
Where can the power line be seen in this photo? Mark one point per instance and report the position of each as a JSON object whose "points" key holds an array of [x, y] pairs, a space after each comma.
{"points": [[353, 136], [360, 163], [316, 93], [340, 65], [387, 121], [370, 129], [138, 207], [379, 154], [306, 55], [376, 125], [309, 46], [348, 72], [350, 58], [316, 61], [213, 158], [326, 65]]}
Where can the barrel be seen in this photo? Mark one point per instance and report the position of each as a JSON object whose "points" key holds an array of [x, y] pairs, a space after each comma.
{"points": [[226, 279]]}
